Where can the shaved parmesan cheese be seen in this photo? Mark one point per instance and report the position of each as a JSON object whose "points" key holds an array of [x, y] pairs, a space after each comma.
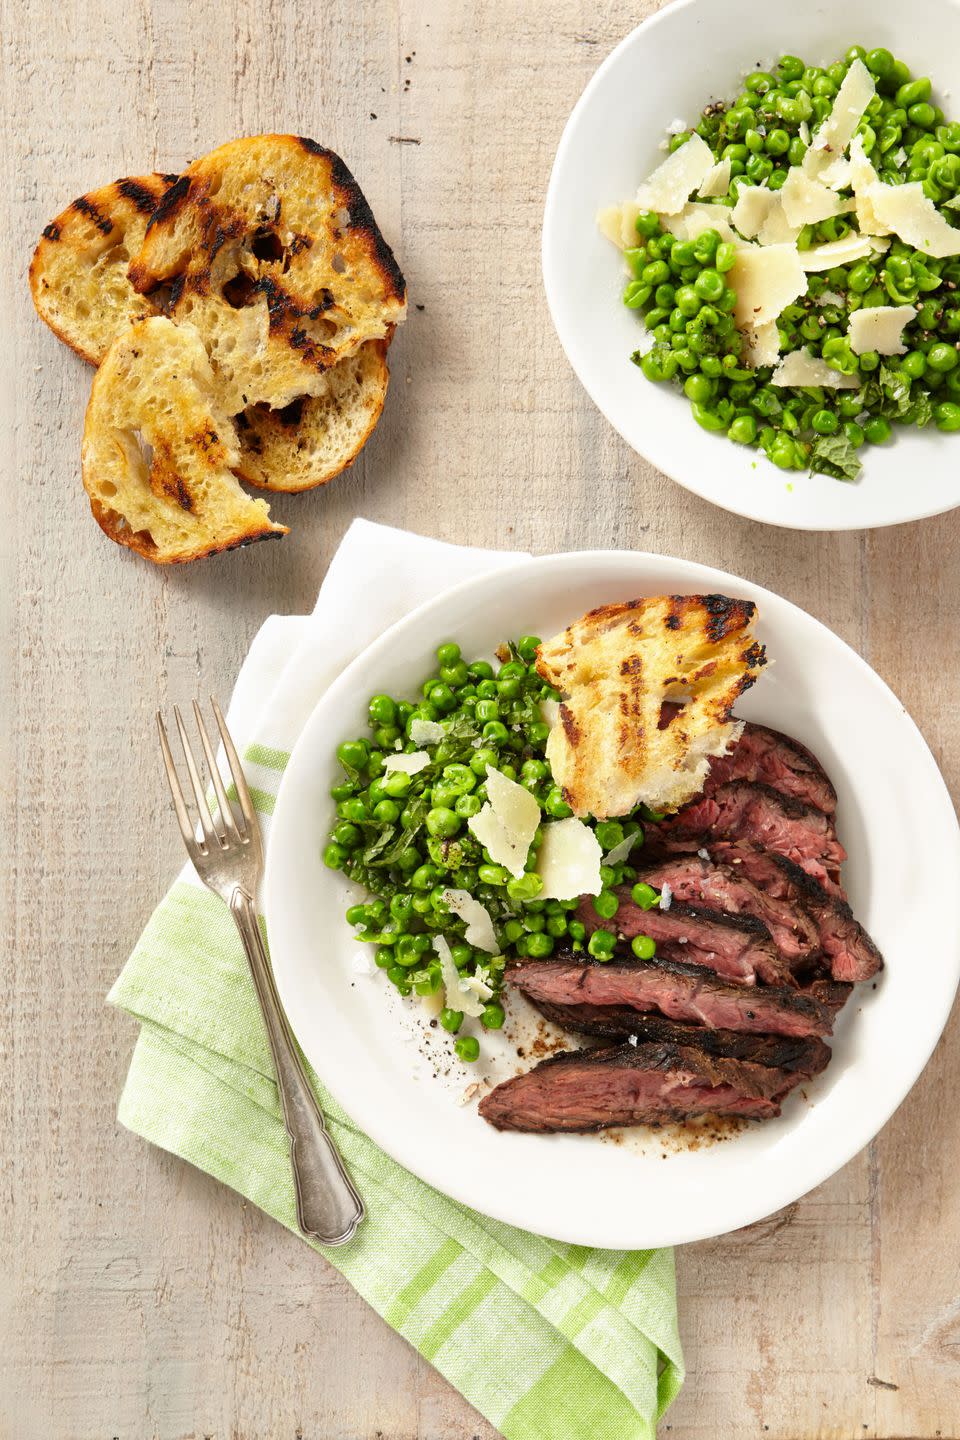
{"points": [[716, 181], [670, 186], [880, 328], [479, 930], [426, 732], [802, 368], [460, 994], [863, 178], [409, 764], [762, 344], [617, 223], [836, 174], [666, 897], [766, 278], [432, 1004], [803, 130], [806, 201], [619, 853], [693, 219], [507, 823], [568, 861], [914, 218], [836, 132], [550, 710], [759, 214], [829, 297], [841, 252]]}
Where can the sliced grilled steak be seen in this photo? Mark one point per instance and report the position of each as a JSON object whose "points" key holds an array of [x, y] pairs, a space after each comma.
{"points": [[701, 882], [744, 810], [634, 1085], [615, 1022], [776, 760], [737, 947], [687, 993], [852, 953]]}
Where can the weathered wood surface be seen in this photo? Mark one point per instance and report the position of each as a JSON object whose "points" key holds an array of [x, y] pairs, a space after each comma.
{"points": [[138, 1298]]}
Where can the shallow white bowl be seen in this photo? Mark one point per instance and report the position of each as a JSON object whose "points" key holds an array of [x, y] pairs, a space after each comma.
{"points": [[896, 819], [669, 67]]}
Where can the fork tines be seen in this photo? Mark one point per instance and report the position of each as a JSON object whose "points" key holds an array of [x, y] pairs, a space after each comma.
{"points": [[228, 832]]}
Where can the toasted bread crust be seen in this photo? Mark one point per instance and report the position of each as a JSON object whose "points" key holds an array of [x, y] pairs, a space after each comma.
{"points": [[615, 667], [78, 274], [275, 257]]}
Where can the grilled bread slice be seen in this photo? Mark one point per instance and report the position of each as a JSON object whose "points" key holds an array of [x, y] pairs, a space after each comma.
{"points": [[78, 275], [274, 256], [317, 436], [615, 668], [159, 450]]}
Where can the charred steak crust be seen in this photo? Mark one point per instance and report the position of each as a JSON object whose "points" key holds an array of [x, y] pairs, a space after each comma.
{"points": [[808, 1055], [768, 756], [585, 1090], [677, 990]]}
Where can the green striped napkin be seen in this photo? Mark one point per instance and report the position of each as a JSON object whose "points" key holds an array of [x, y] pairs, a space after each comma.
{"points": [[549, 1341]]}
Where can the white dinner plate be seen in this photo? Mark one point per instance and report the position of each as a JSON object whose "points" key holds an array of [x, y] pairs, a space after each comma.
{"points": [[895, 818], [667, 69]]}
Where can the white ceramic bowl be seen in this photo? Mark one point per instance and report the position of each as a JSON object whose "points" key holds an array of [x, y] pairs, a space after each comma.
{"points": [[669, 67], [895, 818]]}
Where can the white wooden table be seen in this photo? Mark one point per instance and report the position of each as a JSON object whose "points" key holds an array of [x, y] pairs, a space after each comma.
{"points": [[137, 1298]]}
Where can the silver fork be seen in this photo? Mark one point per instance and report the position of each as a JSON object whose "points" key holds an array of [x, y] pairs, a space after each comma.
{"points": [[229, 861]]}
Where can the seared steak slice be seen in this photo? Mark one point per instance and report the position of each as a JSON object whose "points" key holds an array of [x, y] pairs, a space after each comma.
{"points": [[744, 810], [634, 1085], [852, 953], [776, 760], [615, 1022], [737, 947], [701, 882], [687, 993]]}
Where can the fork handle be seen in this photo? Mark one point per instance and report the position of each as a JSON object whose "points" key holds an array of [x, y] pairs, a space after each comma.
{"points": [[328, 1206]]}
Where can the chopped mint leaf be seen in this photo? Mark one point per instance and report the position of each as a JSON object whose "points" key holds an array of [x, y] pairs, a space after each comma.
{"points": [[834, 455]]}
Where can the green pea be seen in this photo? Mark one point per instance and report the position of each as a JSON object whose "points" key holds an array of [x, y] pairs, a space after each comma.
{"points": [[643, 947], [334, 857], [647, 223], [825, 422], [942, 358], [743, 430], [708, 419], [451, 1020], [879, 62], [347, 835], [913, 92], [442, 822], [387, 812], [495, 731], [481, 759], [861, 277], [709, 285], [539, 945], [555, 805], [687, 301], [947, 416], [656, 273], [353, 754], [914, 364], [698, 388], [468, 1048], [790, 67], [525, 887], [396, 784], [601, 945], [725, 257], [468, 805], [493, 1016], [424, 877], [606, 904], [454, 675], [877, 430]]}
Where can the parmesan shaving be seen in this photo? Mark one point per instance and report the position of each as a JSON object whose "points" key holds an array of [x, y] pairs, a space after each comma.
{"points": [[838, 129], [460, 995], [617, 223], [409, 764], [841, 252], [806, 201], [766, 278], [670, 186], [914, 218], [880, 328], [619, 853], [863, 178], [693, 219], [507, 823], [568, 861], [716, 181], [762, 344], [550, 710], [802, 368], [479, 931], [426, 732]]}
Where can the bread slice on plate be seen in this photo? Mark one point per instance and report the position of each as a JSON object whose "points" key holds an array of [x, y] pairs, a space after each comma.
{"points": [[316, 437], [78, 275], [274, 256], [616, 668], [159, 450]]}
